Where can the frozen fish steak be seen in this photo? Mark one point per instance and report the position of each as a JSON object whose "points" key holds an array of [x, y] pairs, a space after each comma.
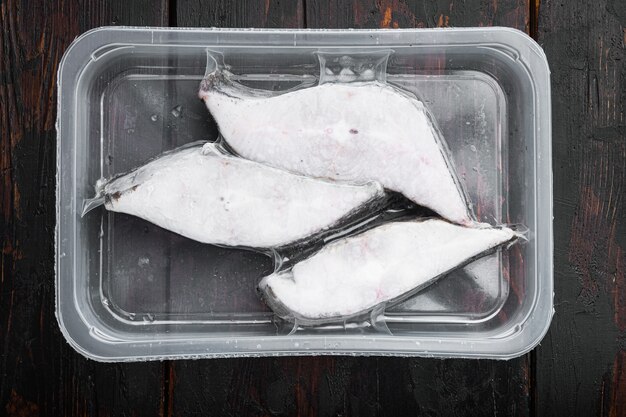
{"points": [[352, 132], [206, 195], [353, 275]]}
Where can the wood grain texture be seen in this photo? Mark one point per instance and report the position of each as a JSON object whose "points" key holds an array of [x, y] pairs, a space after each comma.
{"points": [[40, 374], [579, 369], [417, 14], [580, 364], [240, 14], [332, 386]]}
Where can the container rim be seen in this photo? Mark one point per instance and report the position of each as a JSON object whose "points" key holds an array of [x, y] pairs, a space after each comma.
{"points": [[92, 344]]}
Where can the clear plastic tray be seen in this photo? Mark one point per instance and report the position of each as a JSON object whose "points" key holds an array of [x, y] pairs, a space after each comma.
{"points": [[128, 290]]}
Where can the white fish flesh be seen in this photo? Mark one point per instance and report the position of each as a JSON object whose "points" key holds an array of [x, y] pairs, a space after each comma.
{"points": [[353, 275], [204, 194], [351, 132]]}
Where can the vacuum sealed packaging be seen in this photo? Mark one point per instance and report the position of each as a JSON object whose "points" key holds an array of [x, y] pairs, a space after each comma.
{"points": [[287, 192]]}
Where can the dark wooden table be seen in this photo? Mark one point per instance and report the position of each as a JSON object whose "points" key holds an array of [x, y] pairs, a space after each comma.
{"points": [[579, 368]]}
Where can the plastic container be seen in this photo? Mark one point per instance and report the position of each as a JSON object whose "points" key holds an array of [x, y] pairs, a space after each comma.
{"points": [[128, 290]]}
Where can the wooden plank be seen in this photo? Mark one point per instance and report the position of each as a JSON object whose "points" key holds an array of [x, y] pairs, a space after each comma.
{"points": [[240, 14], [580, 365], [310, 386], [40, 374], [417, 14], [331, 386]]}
